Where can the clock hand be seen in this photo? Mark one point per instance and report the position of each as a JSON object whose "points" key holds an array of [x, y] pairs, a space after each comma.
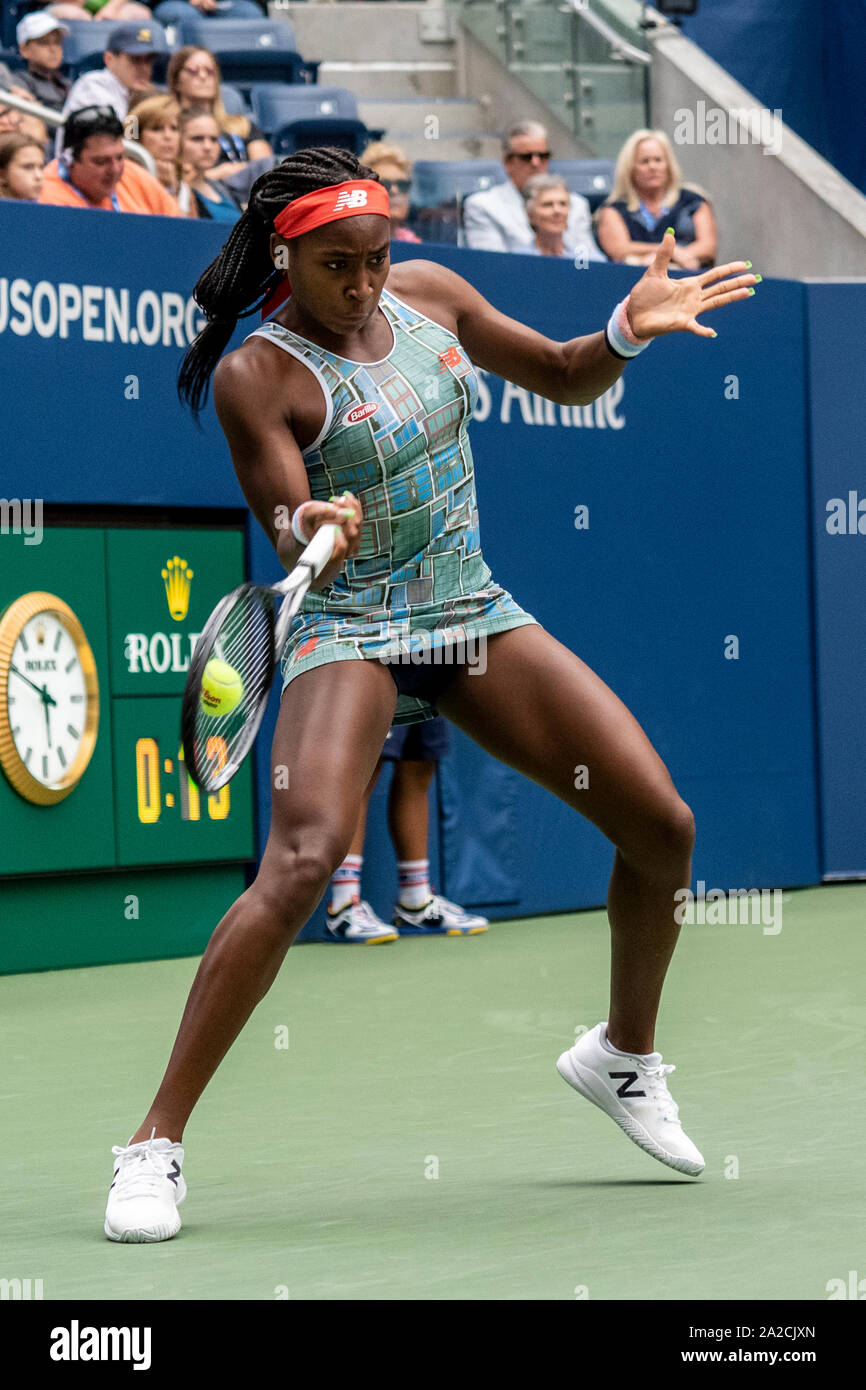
{"points": [[40, 689], [48, 721]]}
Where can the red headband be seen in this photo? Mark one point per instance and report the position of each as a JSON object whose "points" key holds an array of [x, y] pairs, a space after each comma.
{"points": [[349, 199], [353, 198]]}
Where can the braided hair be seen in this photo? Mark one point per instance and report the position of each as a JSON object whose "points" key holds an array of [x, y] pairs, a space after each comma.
{"points": [[243, 276]]}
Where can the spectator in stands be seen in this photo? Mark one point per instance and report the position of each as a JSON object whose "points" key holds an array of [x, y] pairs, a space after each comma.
{"points": [[91, 170], [10, 119], [22, 160], [128, 73], [173, 11], [496, 220], [649, 196], [200, 154], [395, 171], [548, 203], [40, 43], [15, 122], [155, 123], [193, 79], [112, 10]]}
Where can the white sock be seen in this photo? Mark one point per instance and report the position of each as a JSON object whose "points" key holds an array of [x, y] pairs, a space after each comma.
{"points": [[652, 1058], [346, 882], [413, 876]]}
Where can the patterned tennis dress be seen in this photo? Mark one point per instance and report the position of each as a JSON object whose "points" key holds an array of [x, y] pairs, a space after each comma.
{"points": [[395, 435]]}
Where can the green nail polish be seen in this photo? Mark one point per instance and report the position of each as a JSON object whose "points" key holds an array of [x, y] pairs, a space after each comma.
{"points": [[715, 335], [758, 279], [748, 265], [751, 291], [670, 232]]}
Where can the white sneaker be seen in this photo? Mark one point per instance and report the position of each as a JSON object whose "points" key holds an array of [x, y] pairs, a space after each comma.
{"points": [[357, 924], [635, 1094], [148, 1188], [438, 917]]}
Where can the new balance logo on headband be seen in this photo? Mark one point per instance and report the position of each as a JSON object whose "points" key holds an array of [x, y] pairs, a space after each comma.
{"points": [[351, 198]]}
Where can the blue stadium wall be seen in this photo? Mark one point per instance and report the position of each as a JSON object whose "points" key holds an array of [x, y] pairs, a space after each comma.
{"points": [[801, 57], [691, 591]]}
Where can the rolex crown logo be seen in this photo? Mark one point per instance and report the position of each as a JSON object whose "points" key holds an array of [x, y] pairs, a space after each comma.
{"points": [[40, 632], [177, 579]]}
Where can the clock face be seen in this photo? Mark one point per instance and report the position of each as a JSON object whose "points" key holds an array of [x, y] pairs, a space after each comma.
{"points": [[47, 699]]}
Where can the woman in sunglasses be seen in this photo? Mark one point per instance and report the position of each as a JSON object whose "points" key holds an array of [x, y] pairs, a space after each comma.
{"points": [[193, 78], [395, 172]]}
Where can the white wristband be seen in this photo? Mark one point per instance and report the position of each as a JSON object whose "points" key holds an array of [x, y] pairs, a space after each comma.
{"points": [[621, 339], [297, 524]]}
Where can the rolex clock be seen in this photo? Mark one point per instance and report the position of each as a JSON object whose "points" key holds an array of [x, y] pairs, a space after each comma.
{"points": [[49, 698]]}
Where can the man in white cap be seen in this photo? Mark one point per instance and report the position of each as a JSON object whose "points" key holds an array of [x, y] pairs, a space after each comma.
{"points": [[40, 42], [496, 219], [129, 53]]}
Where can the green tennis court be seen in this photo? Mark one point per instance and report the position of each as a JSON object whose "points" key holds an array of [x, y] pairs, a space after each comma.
{"points": [[312, 1167]]}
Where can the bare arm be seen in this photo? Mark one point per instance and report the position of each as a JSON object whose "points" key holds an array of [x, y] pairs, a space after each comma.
{"points": [[576, 372], [614, 239], [269, 465]]}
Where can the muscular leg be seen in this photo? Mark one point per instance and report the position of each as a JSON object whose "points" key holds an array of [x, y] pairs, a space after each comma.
{"points": [[540, 709], [407, 807], [331, 727]]}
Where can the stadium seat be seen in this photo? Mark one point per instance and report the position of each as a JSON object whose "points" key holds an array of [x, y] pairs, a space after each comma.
{"points": [[237, 35], [439, 187], [437, 181], [274, 104], [592, 178], [308, 131], [234, 100], [250, 50]]}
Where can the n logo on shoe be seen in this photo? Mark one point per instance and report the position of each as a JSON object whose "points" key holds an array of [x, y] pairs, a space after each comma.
{"points": [[628, 1078], [173, 1177]]}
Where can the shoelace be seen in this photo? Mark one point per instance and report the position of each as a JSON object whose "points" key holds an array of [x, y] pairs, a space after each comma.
{"points": [[656, 1084], [142, 1172], [367, 916]]}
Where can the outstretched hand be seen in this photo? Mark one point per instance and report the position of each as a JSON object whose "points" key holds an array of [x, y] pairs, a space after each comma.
{"points": [[658, 305]]}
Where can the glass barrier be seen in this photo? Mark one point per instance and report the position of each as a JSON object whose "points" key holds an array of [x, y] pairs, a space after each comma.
{"points": [[589, 64]]}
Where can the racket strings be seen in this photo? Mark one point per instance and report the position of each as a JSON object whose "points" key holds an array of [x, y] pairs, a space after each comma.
{"points": [[245, 641]]}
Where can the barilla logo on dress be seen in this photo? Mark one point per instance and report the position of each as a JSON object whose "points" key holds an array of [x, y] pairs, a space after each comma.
{"points": [[351, 198], [360, 412]]}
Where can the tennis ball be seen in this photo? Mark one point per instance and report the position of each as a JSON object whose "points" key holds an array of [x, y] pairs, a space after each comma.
{"points": [[221, 688]]}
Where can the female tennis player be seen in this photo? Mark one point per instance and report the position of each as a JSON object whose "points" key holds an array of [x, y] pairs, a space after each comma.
{"points": [[351, 405]]}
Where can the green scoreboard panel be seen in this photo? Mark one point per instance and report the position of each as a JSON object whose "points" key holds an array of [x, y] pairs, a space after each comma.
{"points": [[142, 597]]}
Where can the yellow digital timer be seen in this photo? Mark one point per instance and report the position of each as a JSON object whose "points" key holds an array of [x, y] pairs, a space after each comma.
{"points": [[154, 796]]}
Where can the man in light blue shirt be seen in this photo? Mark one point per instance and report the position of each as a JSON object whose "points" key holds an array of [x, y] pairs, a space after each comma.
{"points": [[496, 219]]}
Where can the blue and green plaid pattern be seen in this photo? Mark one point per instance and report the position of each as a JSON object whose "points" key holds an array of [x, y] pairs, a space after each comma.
{"points": [[419, 578]]}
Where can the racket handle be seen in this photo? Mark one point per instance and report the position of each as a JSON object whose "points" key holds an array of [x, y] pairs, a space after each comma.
{"points": [[319, 551]]}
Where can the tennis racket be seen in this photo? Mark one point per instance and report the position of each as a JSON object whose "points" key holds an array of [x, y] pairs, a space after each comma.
{"points": [[247, 631]]}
